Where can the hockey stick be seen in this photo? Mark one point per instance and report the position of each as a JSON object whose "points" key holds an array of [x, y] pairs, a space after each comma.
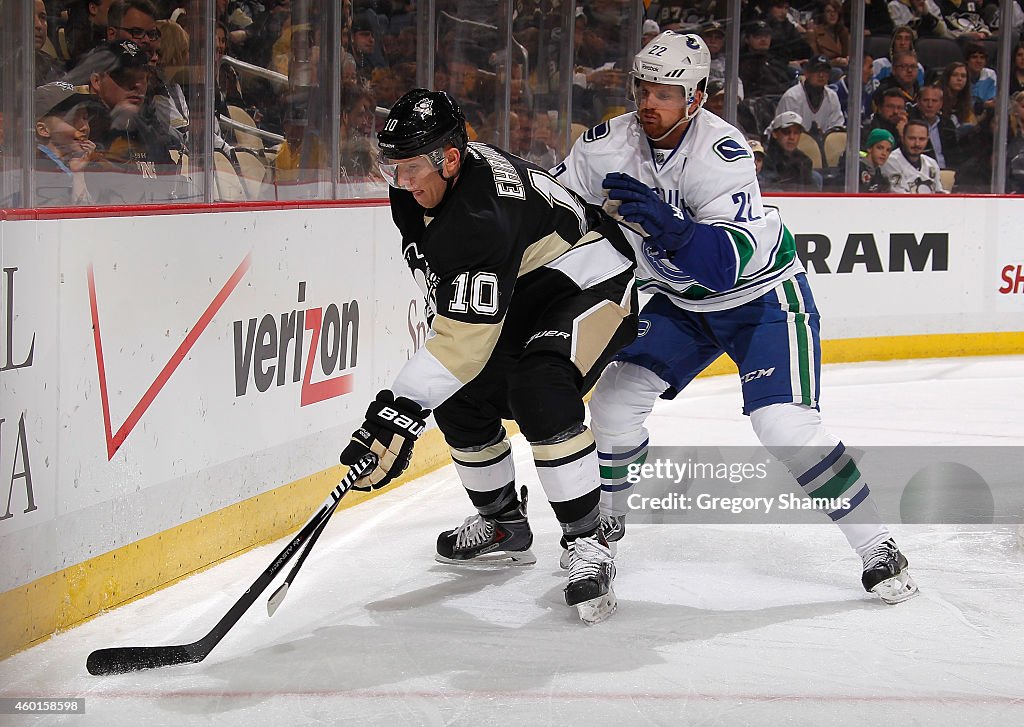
{"points": [[122, 659], [274, 602]]}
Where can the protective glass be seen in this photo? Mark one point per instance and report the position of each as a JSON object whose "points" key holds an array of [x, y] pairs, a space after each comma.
{"points": [[403, 173]]}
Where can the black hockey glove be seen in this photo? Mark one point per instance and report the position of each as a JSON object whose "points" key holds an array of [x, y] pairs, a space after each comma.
{"points": [[391, 428]]}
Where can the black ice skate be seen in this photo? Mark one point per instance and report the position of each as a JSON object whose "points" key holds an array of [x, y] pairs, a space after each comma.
{"points": [[498, 540], [613, 527], [886, 573], [591, 572]]}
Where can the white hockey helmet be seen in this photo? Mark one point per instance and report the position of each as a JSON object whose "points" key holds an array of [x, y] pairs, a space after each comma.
{"points": [[675, 59]]}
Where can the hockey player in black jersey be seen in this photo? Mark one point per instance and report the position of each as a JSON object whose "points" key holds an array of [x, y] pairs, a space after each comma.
{"points": [[529, 294]]}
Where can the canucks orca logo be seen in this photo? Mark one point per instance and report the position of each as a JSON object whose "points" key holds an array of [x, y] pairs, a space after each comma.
{"points": [[691, 42], [730, 150]]}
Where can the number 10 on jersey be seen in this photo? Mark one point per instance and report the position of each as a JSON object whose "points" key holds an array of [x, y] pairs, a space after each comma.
{"points": [[479, 294]]}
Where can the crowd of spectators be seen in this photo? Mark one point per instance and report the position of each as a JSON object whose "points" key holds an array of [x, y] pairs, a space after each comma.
{"points": [[927, 65], [124, 131]]}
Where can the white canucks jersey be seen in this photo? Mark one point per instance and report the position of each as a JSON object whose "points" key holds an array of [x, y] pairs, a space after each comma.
{"points": [[711, 172], [905, 178]]}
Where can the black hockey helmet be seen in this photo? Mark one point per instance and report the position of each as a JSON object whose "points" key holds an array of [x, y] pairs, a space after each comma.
{"points": [[420, 122]]}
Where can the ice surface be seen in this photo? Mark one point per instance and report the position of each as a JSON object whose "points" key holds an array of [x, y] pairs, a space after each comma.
{"points": [[717, 625]]}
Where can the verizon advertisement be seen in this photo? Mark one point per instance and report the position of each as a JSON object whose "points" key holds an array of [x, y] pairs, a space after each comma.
{"points": [[154, 369], [202, 359]]}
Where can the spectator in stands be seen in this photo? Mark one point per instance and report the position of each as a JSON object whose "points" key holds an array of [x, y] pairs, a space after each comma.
{"points": [[650, 32], [535, 138], [922, 16], [758, 150], [172, 71], [902, 40], [1017, 70], [963, 19], [86, 28], [715, 99], [364, 45], [301, 155], [1015, 147], [817, 104], [878, 147], [358, 149], [785, 166], [982, 78], [908, 169], [957, 99], [843, 92], [713, 35], [63, 148], [135, 20], [890, 114], [904, 76], [118, 74], [876, 18], [762, 72], [828, 36], [787, 36], [47, 68], [943, 145]]}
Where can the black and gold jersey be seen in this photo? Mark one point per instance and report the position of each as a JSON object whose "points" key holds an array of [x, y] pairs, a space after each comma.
{"points": [[506, 243]]}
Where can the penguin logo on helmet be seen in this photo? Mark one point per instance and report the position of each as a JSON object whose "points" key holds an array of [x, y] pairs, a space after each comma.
{"points": [[424, 108]]}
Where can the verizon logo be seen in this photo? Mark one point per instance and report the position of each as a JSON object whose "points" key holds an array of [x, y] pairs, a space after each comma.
{"points": [[299, 345]]}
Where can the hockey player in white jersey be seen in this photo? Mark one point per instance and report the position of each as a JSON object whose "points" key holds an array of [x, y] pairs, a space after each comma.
{"points": [[724, 275]]}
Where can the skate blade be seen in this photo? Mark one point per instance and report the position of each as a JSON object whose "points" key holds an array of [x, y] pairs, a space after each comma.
{"points": [[897, 589], [564, 559], [498, 558], [598, 609]]}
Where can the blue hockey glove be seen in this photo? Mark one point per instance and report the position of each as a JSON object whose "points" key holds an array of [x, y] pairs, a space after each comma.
{"points": [[668, 228], [391, 429]]}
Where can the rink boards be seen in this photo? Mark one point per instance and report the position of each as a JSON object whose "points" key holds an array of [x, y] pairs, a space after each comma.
{"points": [[175, 388]]}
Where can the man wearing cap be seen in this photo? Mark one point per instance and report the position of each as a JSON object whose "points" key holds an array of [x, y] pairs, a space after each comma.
{"points": [[817, 104], [878, 147], [787, 38], [364, 44], [118, 75], [650, 31], [762, 72], [713, 35], [63, 149], [786, 167]]}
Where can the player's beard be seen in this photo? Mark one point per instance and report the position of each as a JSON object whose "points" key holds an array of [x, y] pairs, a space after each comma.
{"points": [[655, 127]]}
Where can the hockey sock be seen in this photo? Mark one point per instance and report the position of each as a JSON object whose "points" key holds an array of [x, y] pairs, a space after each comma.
{"points": [[488, 474], [622, 401], [795, 435], [567, 465]]}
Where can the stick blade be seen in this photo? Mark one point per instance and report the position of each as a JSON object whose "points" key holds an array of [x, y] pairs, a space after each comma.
{"points": [[274, 602], [124, 659]]}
